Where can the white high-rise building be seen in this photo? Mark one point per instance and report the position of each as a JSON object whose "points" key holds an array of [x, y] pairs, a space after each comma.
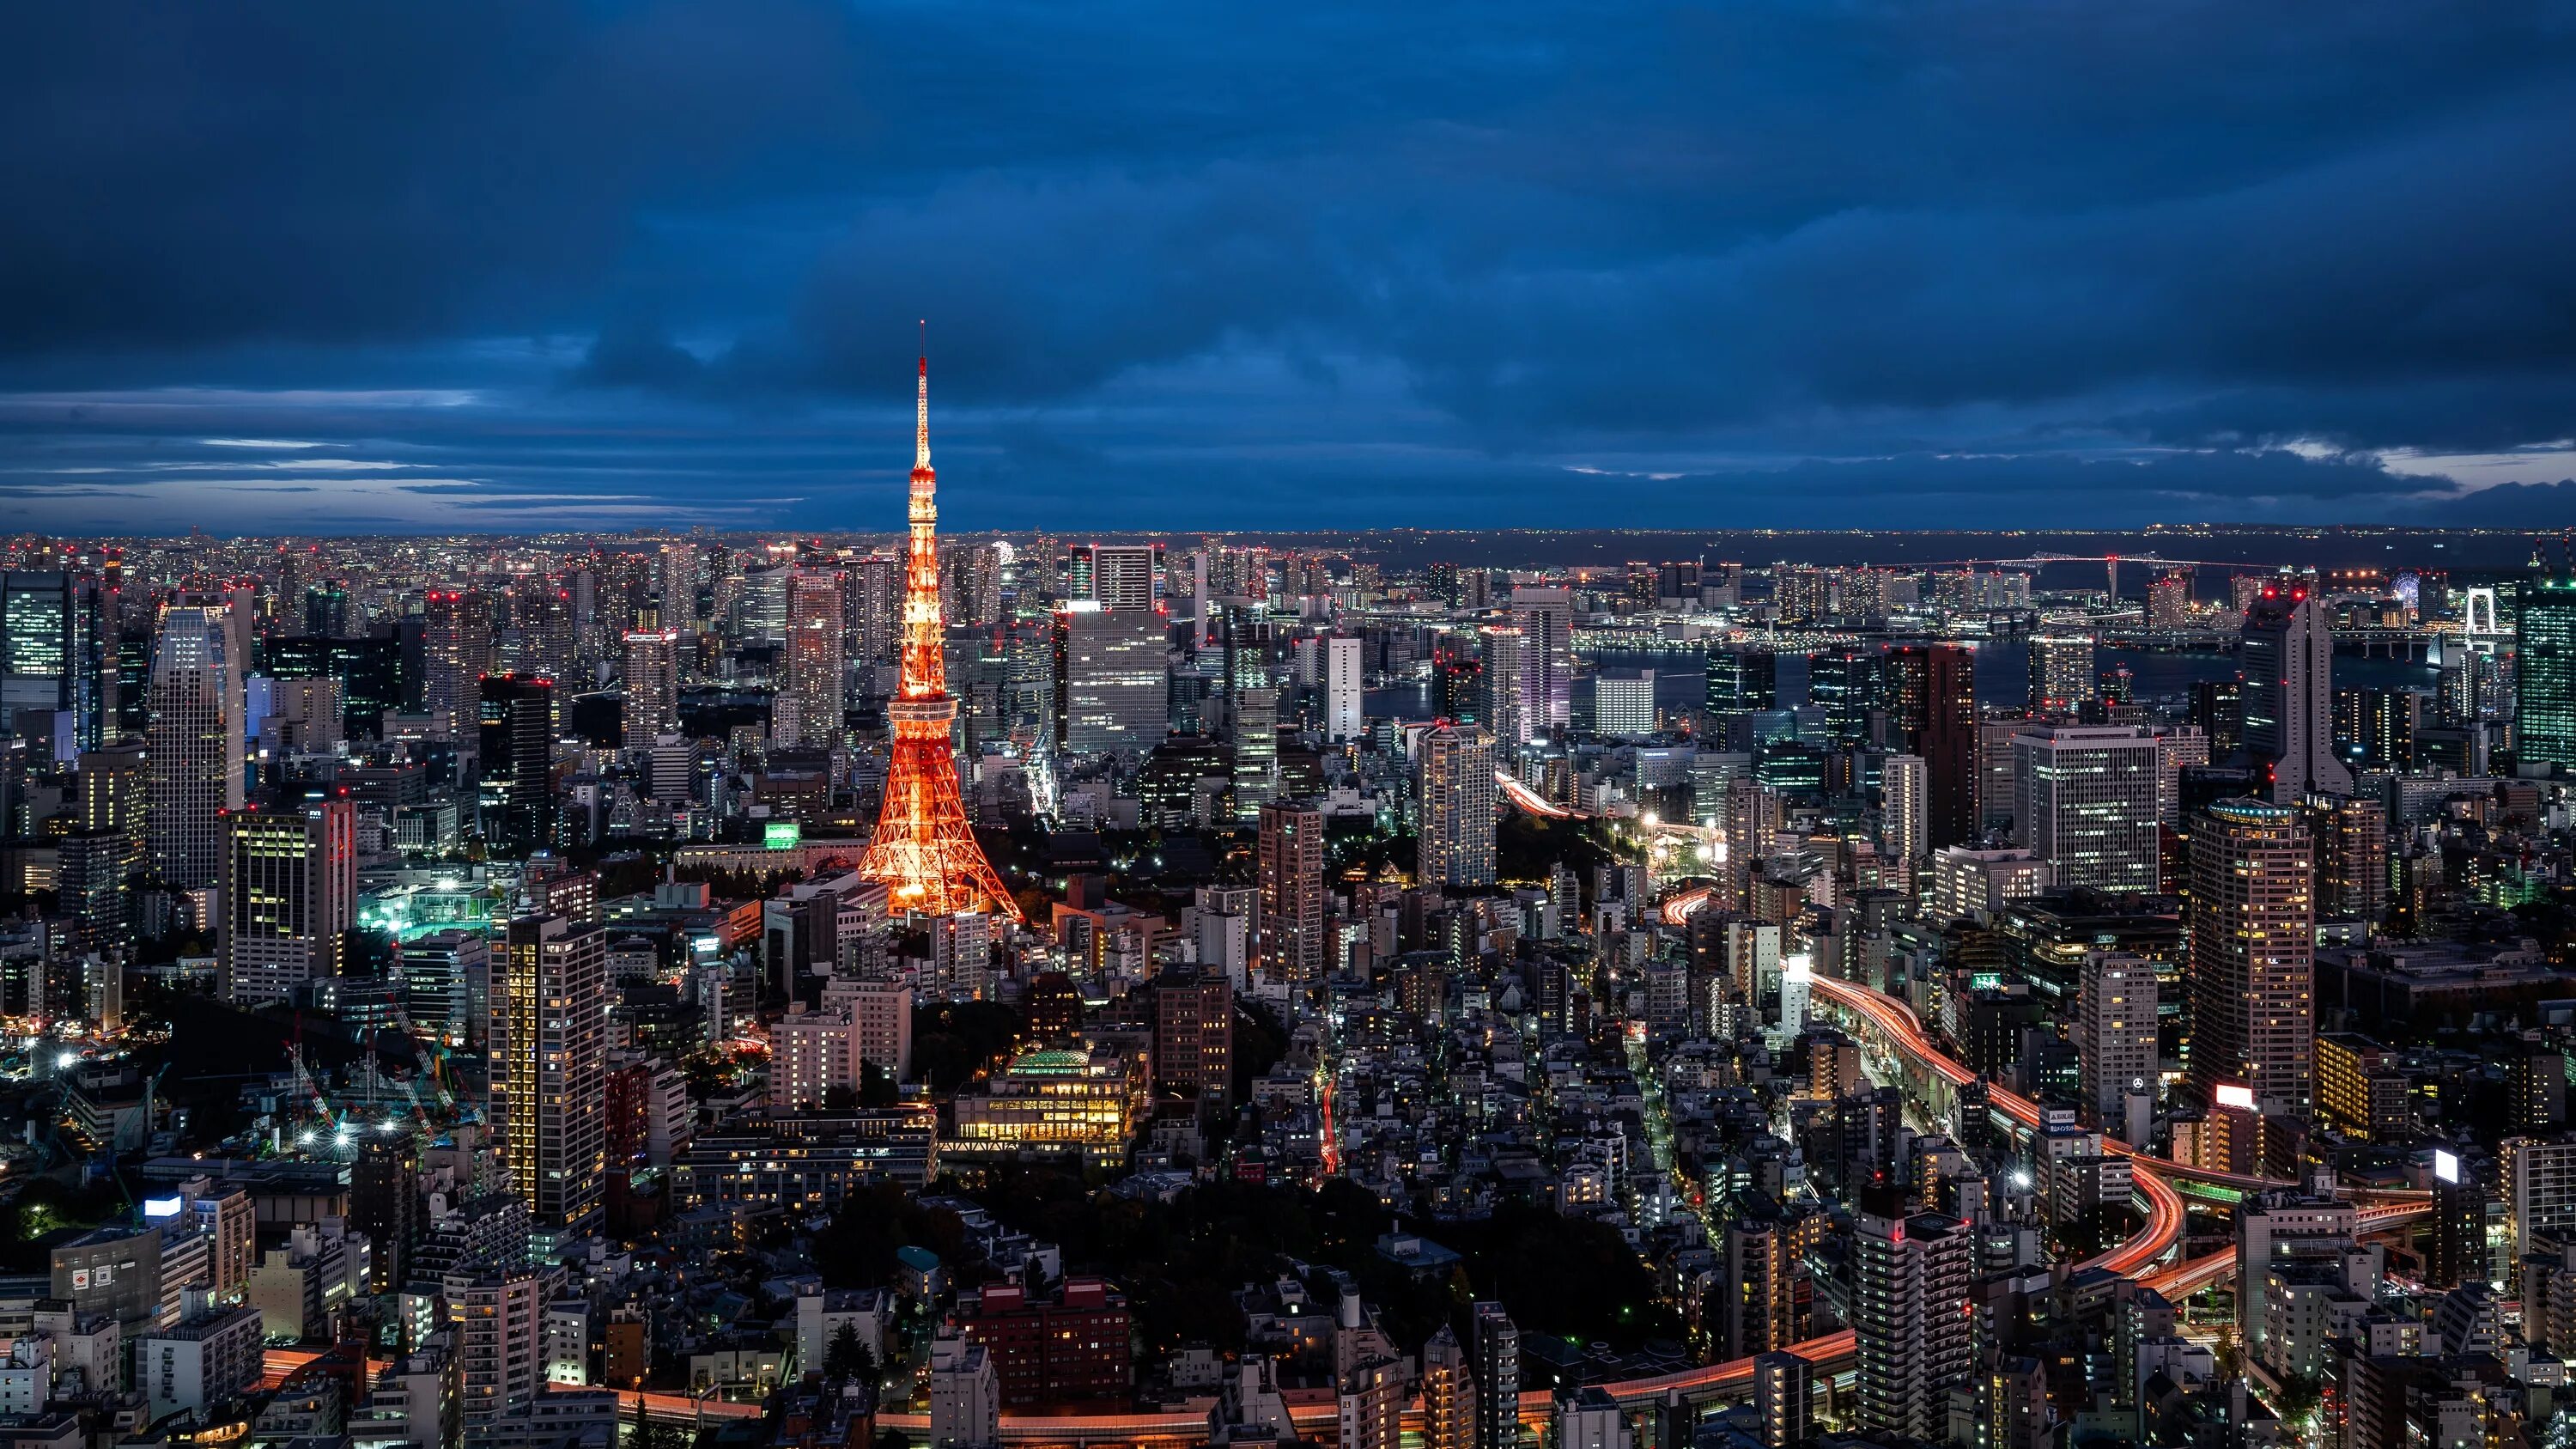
{"points": [[1498, 686], [1341, 687], [1112, 692], [965, 1396], [193, 743], [1115, 575], [652, 707], [290, 891], [2086, 801], [1545, 618], [1905, 818], [808, 706], [1459, 798], [2115, 1043], [2288, 659], [501, 1331]]}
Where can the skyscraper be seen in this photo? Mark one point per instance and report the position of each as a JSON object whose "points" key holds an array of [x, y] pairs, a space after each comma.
{"points": [[1741, 680], [290, 890], [1448, 1393], [1503, 714], [2061, 671], [1341, 687], [1845, 684], [57, 658], [1288, 941], [2169, 600], [2115, 1041], [2253, 955], [2288, 659], [550, 1068], [456, 650], [516, 757], [2544, 681], [652, 688], [2086, 801], [1458, 804], [1905, 787], [808, 708], [194, 742], [1194, 1034], [1910, 1279], [1112, 680], [1114, 575], [1545, 618], [1930, 694]]}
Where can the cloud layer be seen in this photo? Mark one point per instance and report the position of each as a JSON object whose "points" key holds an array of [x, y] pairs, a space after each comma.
{"points": [[519, 263]]}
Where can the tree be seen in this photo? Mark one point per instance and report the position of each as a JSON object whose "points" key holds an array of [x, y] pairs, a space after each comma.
{"points": [[847, 1358]]}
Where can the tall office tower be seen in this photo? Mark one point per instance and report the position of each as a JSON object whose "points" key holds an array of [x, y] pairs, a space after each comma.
{"points": [[1114, 575], [1112, 680], [923, 848], [1783, 1394], [872, 607], [2350, 834], [675, 581], [1194, 1034], [94, 878], [2375, 728], [1742, 680], [2115, 1043], [500, 1316], [1500, 710], [1459, 796], [1458, 678], [1545, 618], [2288, 659], [2169, 600], [1931, 700], [516, 752], [57, 659], [2272, 1227], [1288, 928], [1256, 750], [1341, 687], [1910, 1278], [1905, 789], [1844, 683], [2544, 680], [456, 650], [194, 743], [384, 1203], [1448, 1393], [809, 705], [2218, 709], [2061, 672], [652, 688], [2252, 920], [2086, 801], [1498, 1378], [550, 1067], [290, 890]]}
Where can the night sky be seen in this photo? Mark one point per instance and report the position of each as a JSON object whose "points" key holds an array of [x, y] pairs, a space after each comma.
{"points": [[522, 265]]}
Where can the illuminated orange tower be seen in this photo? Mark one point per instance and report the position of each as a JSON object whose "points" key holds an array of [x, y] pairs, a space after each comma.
{"points": [[923, 848]]}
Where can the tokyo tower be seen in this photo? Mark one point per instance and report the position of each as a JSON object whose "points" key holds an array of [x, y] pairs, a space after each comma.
{"points": [[922, 848]]}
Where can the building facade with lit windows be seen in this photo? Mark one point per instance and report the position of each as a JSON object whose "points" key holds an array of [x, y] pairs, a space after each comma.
{"points": [[2252, 920], [290, 892], [1050, 1101]]}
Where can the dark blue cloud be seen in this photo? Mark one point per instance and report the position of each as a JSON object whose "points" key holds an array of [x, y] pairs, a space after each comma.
{"points": [[1187, 265]]}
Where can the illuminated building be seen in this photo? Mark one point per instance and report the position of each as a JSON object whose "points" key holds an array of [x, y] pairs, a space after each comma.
{"points": [[1783, 1389], [1050, 1101], [194, 743], [2252, 919], [456, 650], [2087, 801], [1342, 679], [57, 656], [1448, 1394], [2360, 1091], [1459, 797], [1288, 929], [1458, 678], [2169, 600], [550, 1067], [804, 1161], [1623, 702], [1194, 1034], [1742, 680], [2351, 839], [517, 762], [1545, 618], [1075, 1349], [1910, 1280], [2061, 671], [290, 891], [1497, 1346], [807, 709], [2545, 671], [1930, 695], [2288, 659], [923, 848], [1499, 687], [2115, 1043], [1116, 576], [1844, 683], [652, 688], [1112, 687]]}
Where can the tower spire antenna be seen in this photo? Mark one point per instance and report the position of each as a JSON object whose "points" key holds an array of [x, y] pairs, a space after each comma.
{"points": [[921, 407]]}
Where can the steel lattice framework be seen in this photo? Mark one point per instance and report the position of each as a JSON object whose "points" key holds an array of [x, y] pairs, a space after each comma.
{"points": [[923, 849]]}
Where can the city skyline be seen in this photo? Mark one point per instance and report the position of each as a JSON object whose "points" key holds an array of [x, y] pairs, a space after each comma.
{"points": [[1766, 266]]}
